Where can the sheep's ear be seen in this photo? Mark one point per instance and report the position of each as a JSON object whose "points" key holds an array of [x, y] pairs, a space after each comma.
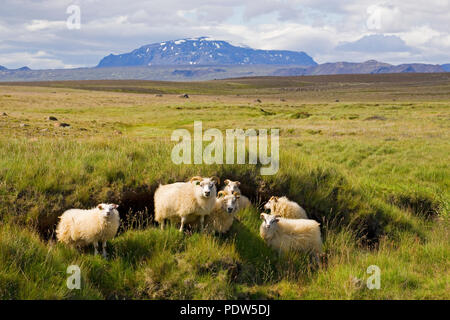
{"points": [[215, 179], [227, 182], [100, 207], [221, 194], [262, 216], [238, 183], [277, 218], [237, 194], [115, 206], [275, 199]]}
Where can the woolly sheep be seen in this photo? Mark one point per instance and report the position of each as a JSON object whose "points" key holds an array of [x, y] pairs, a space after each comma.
{"points": [[285, 208], [233, 186], [291, 234], [185, 201], [84, 227], [222, 216]]}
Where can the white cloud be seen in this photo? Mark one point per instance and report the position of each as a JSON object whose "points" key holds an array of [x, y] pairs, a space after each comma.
{"points": [[314, 26], [376, 43], [419, 36], [38, 25], [34, 60]]}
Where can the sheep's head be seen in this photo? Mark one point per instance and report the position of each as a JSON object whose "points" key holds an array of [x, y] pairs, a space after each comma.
{"points": [[208, 185], [229, 201], [232, 186], [270, 205], [269, 222], [108, 210]]}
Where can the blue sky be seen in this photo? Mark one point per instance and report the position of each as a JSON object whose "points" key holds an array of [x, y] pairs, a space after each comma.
{"points": [[35, 33]]}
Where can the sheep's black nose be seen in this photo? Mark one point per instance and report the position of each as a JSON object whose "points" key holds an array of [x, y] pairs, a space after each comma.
{"points": [[230, 210], [207, 193]]}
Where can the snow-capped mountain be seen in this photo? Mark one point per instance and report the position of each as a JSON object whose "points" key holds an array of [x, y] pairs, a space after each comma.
{"points": [[204, 51]]}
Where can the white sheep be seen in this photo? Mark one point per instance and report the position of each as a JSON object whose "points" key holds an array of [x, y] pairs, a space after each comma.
{"points": [[233, 186], [222, 216], [285, 208], [84, 227], [291, 234], [185, 201]]}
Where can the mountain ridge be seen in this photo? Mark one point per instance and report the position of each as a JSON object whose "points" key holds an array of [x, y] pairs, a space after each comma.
{"points": [[367, 67], [2, 68], [203, 51]]}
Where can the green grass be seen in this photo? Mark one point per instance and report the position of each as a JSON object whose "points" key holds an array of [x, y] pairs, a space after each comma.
{"points": [[374, 172]]}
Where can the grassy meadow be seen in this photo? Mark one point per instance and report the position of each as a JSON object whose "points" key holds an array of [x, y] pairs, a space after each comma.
{"points": [[366, 155]]}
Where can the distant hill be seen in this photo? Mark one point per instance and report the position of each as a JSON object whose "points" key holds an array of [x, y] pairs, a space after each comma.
{"points": [[2, 68], [411, 67], [203, 51], [446, 67], [349, 67], [23, 69], [371, 66]]}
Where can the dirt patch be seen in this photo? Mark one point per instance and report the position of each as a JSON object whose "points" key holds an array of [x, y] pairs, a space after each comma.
{"points": [[300, 115], [136, 207], [420, 205], [371, 118]]}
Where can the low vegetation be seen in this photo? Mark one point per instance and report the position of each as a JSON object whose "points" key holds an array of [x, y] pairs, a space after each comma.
{"points": [[371, 167]]}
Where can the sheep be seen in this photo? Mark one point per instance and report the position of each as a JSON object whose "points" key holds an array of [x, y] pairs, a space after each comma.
{"points": [[285, 208], [233, 186], [222, 216], [291, 234], [185, 201], [84, 227]]}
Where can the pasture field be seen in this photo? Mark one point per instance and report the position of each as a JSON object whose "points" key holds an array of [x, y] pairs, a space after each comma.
{"points": [[366, 155]]}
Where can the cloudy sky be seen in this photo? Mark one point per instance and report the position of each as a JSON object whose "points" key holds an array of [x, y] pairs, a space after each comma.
{"points": [[35, 32]]}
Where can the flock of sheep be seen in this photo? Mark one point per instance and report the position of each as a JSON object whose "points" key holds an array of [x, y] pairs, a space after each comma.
{"points": [[198, 204]]}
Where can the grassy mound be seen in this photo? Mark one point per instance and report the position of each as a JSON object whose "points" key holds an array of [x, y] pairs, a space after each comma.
{"points": [[148, 263], [67, 175]]}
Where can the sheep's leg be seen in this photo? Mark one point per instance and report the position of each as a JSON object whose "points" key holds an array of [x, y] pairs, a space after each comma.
{"points": [[95, 248], [183, 221], [316, 257], [202, 222], [162, 224], [104, 254]]}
